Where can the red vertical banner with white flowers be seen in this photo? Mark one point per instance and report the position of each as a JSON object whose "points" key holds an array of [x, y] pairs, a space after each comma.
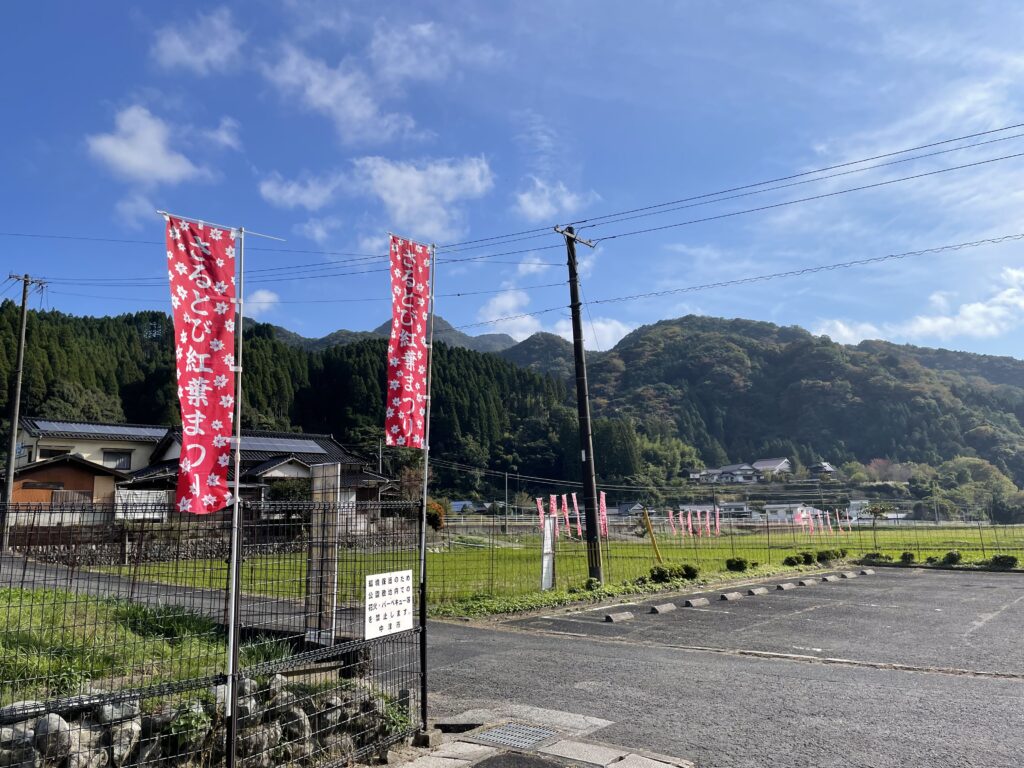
{"points": [[408, 349], [201, 270]]}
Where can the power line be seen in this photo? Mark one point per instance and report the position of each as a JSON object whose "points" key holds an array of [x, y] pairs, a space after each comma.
{"points": [[765, 277], [547, 229], [822, 196]]}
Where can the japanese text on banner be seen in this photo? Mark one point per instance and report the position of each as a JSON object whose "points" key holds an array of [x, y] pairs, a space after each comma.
{"points": [[201, 270], [408, 353]]}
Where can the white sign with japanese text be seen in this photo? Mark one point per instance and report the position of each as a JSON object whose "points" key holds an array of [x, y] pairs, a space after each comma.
{"points": [[389, 607]]}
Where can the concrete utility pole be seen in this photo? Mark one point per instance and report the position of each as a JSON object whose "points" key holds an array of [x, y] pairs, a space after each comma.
{"points": [[594, 565], [12, 446]]}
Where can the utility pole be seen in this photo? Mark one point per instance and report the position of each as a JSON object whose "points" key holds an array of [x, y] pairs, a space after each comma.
{"points": [[12, 446], [594, 566]]}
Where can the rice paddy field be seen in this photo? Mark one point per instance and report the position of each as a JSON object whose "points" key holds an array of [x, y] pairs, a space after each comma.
{"points": [[496, 559]]}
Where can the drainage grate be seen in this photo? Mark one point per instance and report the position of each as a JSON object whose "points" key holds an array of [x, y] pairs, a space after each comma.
{"points": [[515, 735]]}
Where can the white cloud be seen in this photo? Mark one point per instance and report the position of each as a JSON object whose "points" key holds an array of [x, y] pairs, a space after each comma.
{"points": [[532, 265], [506, 305], [139, 150], [1000, 313], [425, 52], [422, 198], [209, 43], [318, 230], [311, 192], [544, 200], [939, 300], [225, 134], [259, 303], [601, 333], [133, 209], [848, 332], [344, 94]]}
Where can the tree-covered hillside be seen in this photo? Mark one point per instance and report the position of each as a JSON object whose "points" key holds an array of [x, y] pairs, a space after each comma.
{"points": [[667, 397]]}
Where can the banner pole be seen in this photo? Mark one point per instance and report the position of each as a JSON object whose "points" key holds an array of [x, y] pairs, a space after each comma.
{"points": [[234, 573], [423, 510]]}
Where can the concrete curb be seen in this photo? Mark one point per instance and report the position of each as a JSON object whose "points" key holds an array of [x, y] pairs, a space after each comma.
{"points": [[807, 582], [786, 585], [758, 591], [663, 608], [731, 596], [697, 602]]}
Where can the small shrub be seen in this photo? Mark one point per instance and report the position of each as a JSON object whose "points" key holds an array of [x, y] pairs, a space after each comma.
{"points": [[737, 564], [791, 560], [659, 574], [825, 556], [683, 571], [690, 572], [952, 557], [807, 558], [878, 557], [907, 558], [1003, 561], [931, 560], [592, 584], [843, 552]]}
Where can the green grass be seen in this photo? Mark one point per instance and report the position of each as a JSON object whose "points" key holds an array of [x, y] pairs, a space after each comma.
{"points": [[56, 641], [463, 566]]}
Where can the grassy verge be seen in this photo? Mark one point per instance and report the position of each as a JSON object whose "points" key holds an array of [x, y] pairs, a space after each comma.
{"points": [[480, 606]]}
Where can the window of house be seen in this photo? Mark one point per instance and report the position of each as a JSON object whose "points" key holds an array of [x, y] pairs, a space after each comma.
{"points": [[117, 459], [49, 453]]}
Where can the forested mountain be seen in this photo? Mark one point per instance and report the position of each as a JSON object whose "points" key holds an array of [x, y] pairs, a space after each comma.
{"points": [[667, 397]]}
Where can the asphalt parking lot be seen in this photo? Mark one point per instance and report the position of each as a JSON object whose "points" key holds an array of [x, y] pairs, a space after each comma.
{"points": [[947, 619], [927, 670]]}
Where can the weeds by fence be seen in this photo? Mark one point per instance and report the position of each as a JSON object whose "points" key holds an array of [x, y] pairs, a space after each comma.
{"points": [[114, 648]]}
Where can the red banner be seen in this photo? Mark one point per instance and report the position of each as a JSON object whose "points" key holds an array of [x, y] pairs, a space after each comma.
{"points": [[408, 354], [201, 269]]}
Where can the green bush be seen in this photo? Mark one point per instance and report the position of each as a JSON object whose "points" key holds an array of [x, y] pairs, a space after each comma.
{"points": [[843, 552], [907, 558], [878, 557], [825, 556], [661, 574], [791, 560], [807, 558], [738, 564], [952, 557], [931, 560], [1003, 561]]}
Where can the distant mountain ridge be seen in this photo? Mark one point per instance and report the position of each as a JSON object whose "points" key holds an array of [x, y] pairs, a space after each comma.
{"points": [[443, 331]]}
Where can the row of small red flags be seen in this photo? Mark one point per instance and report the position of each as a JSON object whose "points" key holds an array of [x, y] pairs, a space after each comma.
{"points": [[677, 524]]}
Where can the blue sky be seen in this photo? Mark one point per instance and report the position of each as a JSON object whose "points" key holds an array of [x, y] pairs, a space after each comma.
{"points": [[329, 124]]}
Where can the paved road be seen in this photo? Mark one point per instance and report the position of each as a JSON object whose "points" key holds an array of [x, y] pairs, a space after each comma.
{"points": [[725, 709]]}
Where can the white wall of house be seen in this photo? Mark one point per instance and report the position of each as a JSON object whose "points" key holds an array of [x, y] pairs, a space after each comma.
{"points": [[90, 450]]}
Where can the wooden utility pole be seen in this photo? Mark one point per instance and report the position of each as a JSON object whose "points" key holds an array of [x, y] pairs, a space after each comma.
{"points": [[594, 565], [12, 446]]}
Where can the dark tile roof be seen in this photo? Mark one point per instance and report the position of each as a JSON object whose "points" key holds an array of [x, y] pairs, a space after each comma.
{"points": [[259, 446], [736, 468], [37, 426]]}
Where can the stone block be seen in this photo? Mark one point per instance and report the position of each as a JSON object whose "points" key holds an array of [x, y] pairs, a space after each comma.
{"points": [[807, 582], [430, 738], [830, 577], [786, 585], [757, 591], [615, 618], [697, 602], [867, 572], [848, 574], [730, 596], [663, 608]]}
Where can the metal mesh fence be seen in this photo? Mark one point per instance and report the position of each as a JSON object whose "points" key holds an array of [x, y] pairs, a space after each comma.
{"points": [[500, 555], [114, 649]]}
